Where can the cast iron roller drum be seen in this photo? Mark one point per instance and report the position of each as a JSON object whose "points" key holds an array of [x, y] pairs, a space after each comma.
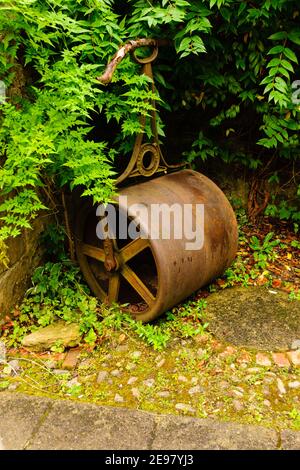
{"points": [[152, 275]]}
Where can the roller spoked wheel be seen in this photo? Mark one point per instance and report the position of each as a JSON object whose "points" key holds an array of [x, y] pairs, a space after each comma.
{"points": [[117, 271]]}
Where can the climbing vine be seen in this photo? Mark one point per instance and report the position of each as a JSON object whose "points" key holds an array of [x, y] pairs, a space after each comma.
{"points": [[235, 62]]}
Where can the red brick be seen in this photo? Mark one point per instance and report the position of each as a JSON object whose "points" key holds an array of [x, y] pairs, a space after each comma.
{"points": [[71, 359], [244, 358], [294, 357], [216, 346], [281, 359], [58, 357], [229, 351], [263, 360]]}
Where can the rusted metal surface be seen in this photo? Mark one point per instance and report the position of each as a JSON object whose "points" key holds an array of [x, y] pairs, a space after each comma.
{"points": [[175, 271], [110, 262]]}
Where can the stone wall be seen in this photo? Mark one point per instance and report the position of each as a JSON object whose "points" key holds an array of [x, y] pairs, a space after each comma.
{"points": [[25, 253]]}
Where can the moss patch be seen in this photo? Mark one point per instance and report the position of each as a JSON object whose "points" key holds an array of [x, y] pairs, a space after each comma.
{"points": [[255, 317]]}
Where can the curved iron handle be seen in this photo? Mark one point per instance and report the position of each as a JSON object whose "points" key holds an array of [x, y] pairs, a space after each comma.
{"points": [[130, 47], [135, 166]]}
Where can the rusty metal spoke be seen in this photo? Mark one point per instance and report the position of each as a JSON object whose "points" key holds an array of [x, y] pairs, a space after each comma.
{"points": [[93, 252], [137, 284], [114, 286], [133, 248]]}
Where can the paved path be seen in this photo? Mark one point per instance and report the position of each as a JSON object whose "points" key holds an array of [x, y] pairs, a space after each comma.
{"points": [[28, 422]]}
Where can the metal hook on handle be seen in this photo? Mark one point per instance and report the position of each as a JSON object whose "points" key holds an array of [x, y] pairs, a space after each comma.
{"points": [[146, 60]]}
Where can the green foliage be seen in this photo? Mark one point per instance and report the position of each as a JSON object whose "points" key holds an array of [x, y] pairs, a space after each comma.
{"points": [[246, 84], [295, 244], [295, 415], [185, 321], [263, 252], [294, 295], [188, 320], [252, 264], [237, 273], [234, 60], [4, 384], [241, 214], [57, 293], [284, 211], [53, 239]]}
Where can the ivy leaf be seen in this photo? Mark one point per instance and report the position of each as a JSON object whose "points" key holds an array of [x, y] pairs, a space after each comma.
{"points": [[294, 36], [287, 65], [276, 50], [278, 36], [290, 54]]}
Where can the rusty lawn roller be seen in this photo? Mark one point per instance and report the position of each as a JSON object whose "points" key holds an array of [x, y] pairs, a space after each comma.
{"points": [[150, 273]]}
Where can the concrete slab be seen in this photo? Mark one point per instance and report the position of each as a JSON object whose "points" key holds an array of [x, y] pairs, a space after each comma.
{"points": [[20, 416], [290, 440], [74, 426], [28, 422], [254, 317], [185, 433]]}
